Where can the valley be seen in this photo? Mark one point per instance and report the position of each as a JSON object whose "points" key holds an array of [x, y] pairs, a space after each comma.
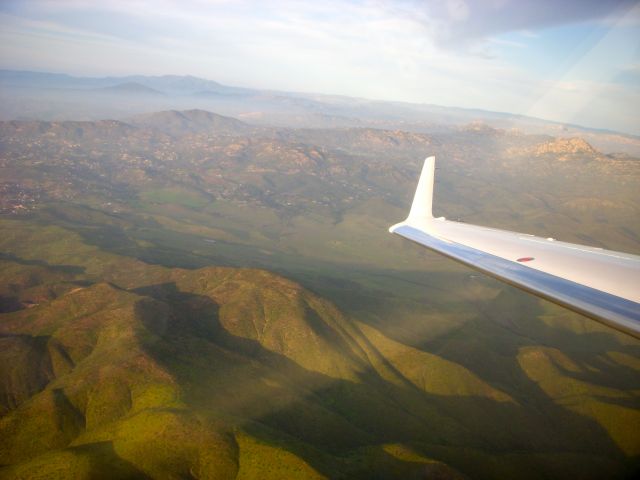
{"points": [[185, 294]]}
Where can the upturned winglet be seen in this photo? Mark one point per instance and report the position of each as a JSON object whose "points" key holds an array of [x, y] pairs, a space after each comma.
{"points": [[598, 283], [423, 198], [421, 208]]}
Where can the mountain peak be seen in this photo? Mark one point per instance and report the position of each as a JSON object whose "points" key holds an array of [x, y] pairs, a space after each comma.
{"points": [[572, 145], [179, 122], [560, 149], [130, 87]]}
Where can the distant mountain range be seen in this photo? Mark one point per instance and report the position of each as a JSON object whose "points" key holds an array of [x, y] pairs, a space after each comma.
{"points": [[189, 121], [129, 88], [54, 96], [170, 84]]}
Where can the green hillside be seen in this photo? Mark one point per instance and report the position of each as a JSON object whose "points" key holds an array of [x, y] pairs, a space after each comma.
{"points": [[213, 300], [129, 370]]}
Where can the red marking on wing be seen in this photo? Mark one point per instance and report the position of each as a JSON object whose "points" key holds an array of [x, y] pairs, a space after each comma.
{"points": [[525, 259]]}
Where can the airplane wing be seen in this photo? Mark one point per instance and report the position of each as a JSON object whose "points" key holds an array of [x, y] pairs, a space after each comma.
{"points": [[598, 283]]}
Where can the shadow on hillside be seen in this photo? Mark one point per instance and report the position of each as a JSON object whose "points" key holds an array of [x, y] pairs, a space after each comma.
{"points": [[10, 304], [34, 277], [120, 237], [103, 458], [490, 344], [321, 419], [23, 353], [70, 269]]}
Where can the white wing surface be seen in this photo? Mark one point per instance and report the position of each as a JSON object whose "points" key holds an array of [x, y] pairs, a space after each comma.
{"points": [[598, 283]]}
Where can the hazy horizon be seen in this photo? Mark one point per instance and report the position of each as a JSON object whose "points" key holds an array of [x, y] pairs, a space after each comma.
{"points": [[257, 88], [578, 63]]}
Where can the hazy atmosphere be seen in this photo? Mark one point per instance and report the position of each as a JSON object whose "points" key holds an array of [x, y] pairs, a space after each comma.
{"points": [[198, 278], [575, 61]]}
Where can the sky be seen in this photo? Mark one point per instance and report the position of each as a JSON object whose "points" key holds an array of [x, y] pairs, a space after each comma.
{"points": [[575, 61]]}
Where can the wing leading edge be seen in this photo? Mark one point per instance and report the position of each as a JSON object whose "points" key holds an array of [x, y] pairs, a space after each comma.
{"points": [[598, 283]]}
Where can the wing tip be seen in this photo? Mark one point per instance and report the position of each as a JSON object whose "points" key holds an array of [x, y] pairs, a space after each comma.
{"points": [[421, 207], [393, 228], [423, 197]]}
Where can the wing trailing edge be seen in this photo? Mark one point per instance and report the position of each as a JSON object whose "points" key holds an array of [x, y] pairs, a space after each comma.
{"points": [[601, 284]]}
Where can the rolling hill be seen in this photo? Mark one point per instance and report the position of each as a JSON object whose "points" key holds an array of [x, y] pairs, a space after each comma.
{"points": [[184, 295], [55, 97], [128, 88], [218, 372]]}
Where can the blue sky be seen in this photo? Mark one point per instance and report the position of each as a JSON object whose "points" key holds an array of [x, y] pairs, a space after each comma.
{"points": [[575, 61]]}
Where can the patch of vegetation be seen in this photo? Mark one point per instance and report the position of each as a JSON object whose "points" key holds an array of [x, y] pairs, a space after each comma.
{"points": [[125, 354], [175, 196]]}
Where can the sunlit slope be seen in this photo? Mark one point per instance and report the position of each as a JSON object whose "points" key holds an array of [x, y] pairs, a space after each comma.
{"points": [[122, 348], [218, 372], [568, 384], [110, 388], [141, 363]]}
